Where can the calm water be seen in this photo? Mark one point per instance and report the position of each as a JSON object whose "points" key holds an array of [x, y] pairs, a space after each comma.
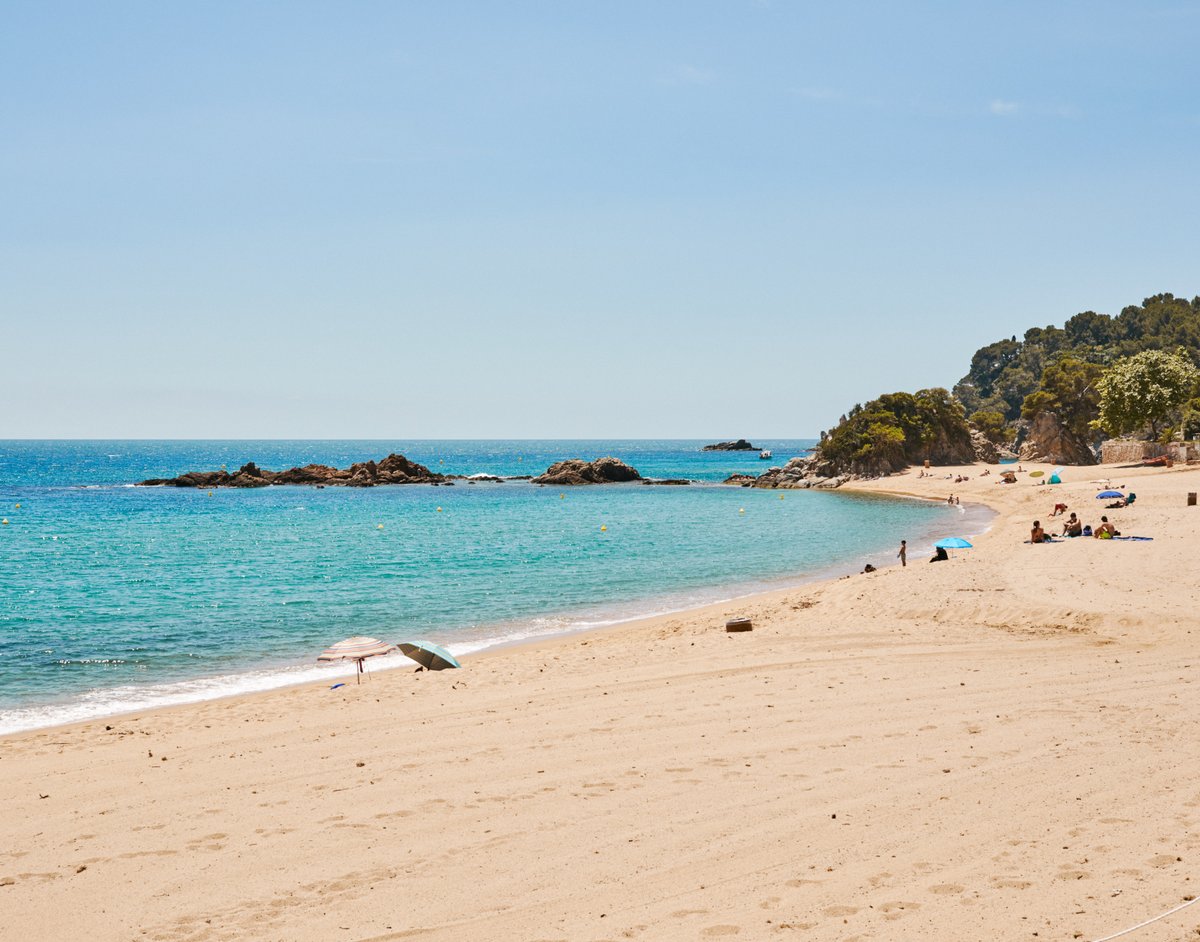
{"points": [[114, 597]]}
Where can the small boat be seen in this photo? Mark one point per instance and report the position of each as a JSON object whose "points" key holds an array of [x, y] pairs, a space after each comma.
{"points": [[765, 454]]}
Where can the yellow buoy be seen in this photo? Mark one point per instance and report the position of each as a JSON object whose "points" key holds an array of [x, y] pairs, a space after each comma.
{"points": [[380, 527], [18, 506], [781, 497], [5, 520], [741, 510], [602, 527], [210, 493], [560, 497], [439, 510]]}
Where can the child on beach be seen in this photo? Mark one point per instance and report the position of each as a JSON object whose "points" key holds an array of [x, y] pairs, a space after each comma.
{"points": [[903, 554]]}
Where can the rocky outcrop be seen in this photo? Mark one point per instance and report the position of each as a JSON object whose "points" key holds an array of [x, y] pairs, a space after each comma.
{"points": [[394, 469], [800, 473], [740, 445], [575, 471], [667, 482], [1049, 440], [985, 450]]}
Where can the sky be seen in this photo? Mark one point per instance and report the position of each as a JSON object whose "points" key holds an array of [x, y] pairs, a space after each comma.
{"points": [[567, 219]]}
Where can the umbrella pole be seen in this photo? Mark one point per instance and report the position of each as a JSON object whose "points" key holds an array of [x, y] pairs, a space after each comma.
{"points": [[358, 676]]}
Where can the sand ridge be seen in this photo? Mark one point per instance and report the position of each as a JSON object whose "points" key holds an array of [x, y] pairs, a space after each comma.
{"points": [[999, 746]]}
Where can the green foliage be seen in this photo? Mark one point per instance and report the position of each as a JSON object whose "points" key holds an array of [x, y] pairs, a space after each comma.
{"points": [[1144, 390], [1010, 376], [993, 427], [898, 429], [1069, 389]]}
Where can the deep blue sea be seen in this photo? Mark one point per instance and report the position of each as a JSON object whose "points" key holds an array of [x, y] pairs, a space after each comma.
{"points": [[114, 597]]}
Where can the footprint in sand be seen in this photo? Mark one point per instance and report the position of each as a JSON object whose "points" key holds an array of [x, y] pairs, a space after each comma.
{"points": [[839, 910], [945, 889], [1010, 883], [1162, 860], [721, 930], [897, 909]]}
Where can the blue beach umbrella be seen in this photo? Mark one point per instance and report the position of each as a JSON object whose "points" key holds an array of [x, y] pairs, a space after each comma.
{"points": [[1108, 495], [953, 542], [429, 655]]}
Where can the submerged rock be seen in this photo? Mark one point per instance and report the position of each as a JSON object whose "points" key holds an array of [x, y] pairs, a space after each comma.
{"points": [[576, 471]]}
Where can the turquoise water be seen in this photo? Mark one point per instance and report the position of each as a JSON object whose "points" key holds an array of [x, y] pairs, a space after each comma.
{"points": [[115, 597]]}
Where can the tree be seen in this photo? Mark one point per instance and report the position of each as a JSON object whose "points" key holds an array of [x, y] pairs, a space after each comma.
{"points": [[1069, 390], [993, 426], [1143, 390]]}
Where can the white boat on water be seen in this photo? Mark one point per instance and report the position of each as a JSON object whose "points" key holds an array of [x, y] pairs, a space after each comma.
{"points": [[765, 454]]}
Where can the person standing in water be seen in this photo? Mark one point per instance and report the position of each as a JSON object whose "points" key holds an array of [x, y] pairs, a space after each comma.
{"points": [[903, 554]]}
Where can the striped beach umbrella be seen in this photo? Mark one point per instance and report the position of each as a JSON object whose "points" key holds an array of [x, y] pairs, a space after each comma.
{"points": [[356, 649]]}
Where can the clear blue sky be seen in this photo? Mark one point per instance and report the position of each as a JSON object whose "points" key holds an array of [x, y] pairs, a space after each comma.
{"points": [[567, 219]]}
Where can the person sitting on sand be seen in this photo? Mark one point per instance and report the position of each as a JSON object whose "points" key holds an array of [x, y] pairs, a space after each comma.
{"points": [[1106, 531], [940, 556], [1037, 534], [1059, 509], [985, 472], [1073, 526]]}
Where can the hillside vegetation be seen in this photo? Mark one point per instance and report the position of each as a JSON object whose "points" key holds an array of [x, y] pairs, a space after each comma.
{"points": [[1134, 373]]}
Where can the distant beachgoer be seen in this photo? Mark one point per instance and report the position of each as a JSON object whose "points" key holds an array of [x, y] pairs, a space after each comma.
{"points": [[868, 568], [903, 554], [957, 501], [1059, 509], [985, 472], [1073, 526], [940, 556], [1037, 534], [1106, 531], [1019, 468], [950, 499]]}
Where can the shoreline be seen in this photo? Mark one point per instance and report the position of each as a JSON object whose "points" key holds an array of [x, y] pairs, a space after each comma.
{"points": [[987, 748], [171, 694]]}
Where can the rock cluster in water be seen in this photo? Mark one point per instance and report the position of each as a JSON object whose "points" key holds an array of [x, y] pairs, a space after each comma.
{"points": [[394, 469], [577, 471], [800, 473], [740, 445]]}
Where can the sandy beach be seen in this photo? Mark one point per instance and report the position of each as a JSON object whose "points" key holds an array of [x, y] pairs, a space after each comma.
{"points": [[1001, 746]]}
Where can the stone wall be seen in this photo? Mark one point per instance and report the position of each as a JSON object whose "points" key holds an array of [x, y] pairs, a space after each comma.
{"points": [[1123, 451]]}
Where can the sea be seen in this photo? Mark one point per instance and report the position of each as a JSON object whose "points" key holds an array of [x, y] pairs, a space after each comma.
{"points": [[117, 598]]}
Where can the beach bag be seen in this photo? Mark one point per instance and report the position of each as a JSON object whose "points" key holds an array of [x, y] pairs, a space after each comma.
{"points": [[1087, 531]]}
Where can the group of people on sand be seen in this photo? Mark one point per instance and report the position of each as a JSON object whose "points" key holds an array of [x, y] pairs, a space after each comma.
{"points": [[1075, 527]]}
